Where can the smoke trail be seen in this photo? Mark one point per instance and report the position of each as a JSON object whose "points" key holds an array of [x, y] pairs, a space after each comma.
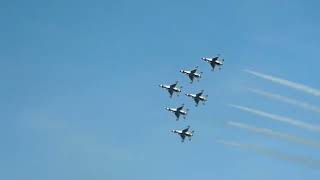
{"points": [[295, 102], [273, 153], [274, 134], [276, 117], [285, 82]]}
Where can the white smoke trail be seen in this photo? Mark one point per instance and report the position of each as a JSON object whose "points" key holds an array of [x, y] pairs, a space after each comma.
{"points": [[288, 100], [274, 134], [276, 117], [273, 153], [285, 82]]}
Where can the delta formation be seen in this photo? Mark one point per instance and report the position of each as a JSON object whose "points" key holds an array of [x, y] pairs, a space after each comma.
{"points": [[194, 74]]}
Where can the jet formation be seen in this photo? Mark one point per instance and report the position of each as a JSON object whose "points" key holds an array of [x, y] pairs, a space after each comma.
{"points": [[193, 74]]}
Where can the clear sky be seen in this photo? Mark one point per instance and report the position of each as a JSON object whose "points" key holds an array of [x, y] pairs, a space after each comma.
{"points": [[80, 97]]}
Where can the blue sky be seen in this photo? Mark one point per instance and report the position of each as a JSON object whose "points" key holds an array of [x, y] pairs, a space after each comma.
{"points": [[80, 96]]}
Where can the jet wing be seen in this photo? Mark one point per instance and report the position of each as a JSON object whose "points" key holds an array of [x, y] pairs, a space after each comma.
{"points": [[193, 71], [191, 77], [170, 92], [213, 65], [186, 130], [199, 94], [197, 100], [174, 85], [177, 114], [215, 58], [182, 137], [180, 108]]}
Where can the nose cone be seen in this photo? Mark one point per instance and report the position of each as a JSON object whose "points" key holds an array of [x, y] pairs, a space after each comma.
{"points": [[182, 71], [203, 58], [166, 108]]}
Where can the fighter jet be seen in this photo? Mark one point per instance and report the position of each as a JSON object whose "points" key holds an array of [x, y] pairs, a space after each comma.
{"points": [[184, 133], [214, 61], [198, 97], [171, 88], [192, 74], [178, 111]]}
